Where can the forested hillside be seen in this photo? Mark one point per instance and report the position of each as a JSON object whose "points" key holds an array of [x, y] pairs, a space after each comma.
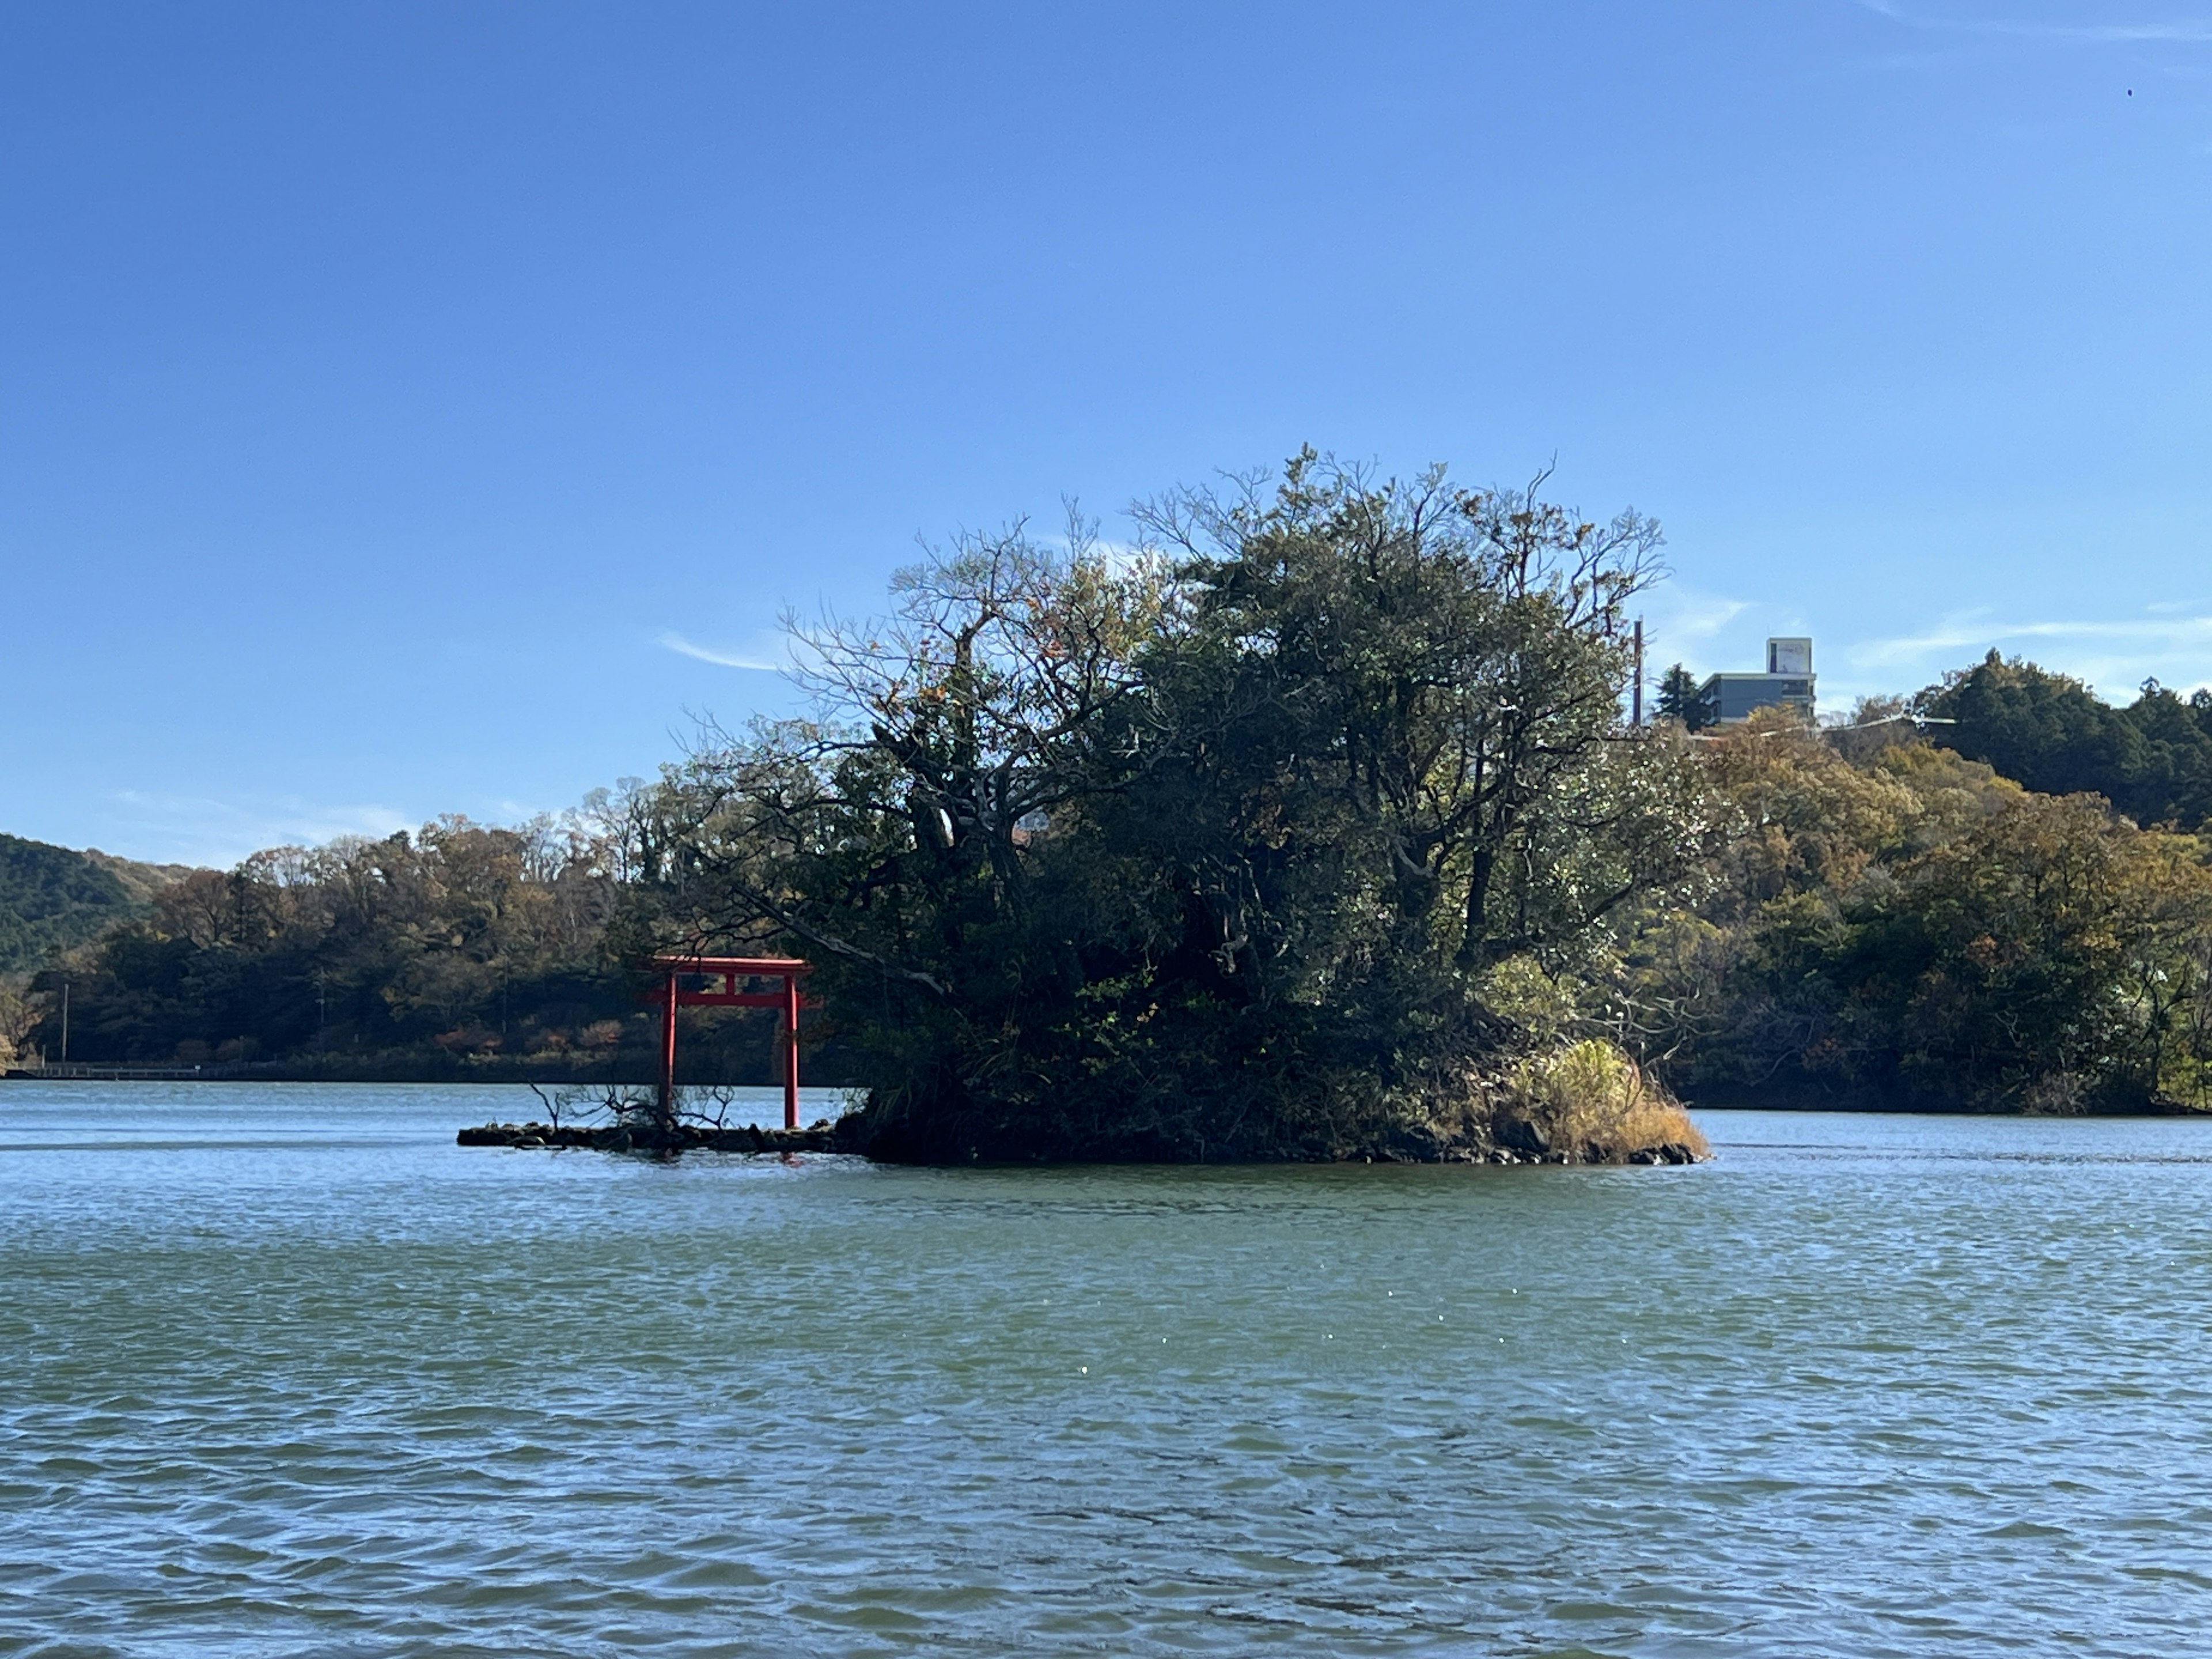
{"points": [[459, 949], [54, 897], [2152, 759], [1912, 930]]}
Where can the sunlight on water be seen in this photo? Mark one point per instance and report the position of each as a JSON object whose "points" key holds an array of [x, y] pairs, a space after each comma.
{"points": [[283, 1370]]}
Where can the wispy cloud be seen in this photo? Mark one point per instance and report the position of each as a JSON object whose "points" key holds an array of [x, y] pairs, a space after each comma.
{"points": [[2182, 31], [2112, 654], [1680, 619], [674, 641], [1700, 619], [204, 830], [2156, 633], [1119, 556]]}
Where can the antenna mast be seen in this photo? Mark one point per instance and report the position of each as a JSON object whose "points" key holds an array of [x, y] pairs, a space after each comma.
{"points": [[1636, 698]]}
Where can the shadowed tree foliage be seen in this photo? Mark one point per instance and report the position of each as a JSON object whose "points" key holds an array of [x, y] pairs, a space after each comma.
{"points": [[54, 898], [1678, 699], [1205, 852], [419, 955], [1914, 930]]}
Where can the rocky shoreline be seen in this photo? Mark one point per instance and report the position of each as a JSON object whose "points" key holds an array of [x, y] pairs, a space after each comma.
{"points": [[839, 1137], [627, 1138]]}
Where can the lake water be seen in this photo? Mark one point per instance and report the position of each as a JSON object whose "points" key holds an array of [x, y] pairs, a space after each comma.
{"points": [[284, 1371]]}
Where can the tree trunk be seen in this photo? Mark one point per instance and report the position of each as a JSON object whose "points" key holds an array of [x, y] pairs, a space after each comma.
{"points": [[1478, 897]]}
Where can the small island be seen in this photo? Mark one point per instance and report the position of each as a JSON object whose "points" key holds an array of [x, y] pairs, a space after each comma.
{"points": [[1322, 822]]}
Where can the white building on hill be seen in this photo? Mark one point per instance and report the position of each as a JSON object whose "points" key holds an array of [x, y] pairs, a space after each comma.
{"points": [[1727, 698]]}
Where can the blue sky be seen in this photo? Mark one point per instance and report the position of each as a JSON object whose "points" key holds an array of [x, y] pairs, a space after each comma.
{"points": [[403, 407]]}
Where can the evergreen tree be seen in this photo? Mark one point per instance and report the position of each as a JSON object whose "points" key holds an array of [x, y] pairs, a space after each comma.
{"points": [[2152, 760], [1679, 700]]}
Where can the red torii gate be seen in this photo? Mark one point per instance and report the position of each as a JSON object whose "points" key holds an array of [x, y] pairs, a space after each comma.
{"points": [[730, 970]]}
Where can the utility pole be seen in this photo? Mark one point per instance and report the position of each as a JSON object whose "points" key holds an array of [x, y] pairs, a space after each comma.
{"points": [[1636, 701], [64, 1022]]}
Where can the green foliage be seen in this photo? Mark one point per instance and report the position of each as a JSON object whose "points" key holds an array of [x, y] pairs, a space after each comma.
{"points": [[421, 952], [1678, 699], [52, 898], [2152, 760], [1204, 854], [1916, 930]]}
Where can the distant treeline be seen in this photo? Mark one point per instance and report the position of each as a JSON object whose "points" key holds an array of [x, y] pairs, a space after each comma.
{"points": [[1884, 922], [457, 950], [2151, 759], [1993, 893], [1899, 926], [1309, 825]]}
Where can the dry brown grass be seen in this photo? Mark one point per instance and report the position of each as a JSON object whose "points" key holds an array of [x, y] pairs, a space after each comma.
{"points": [[1594, 1103]]}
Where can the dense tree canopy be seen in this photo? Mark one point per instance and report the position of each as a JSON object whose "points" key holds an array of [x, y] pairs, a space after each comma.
{"points": [[1913, 930], [54, 897], [1204, 852], [2152, 759], [414, 954]]}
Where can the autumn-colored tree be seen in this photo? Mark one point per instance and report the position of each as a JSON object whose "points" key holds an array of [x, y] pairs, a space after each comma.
{"points": [[1913, 929], [460, 939]]}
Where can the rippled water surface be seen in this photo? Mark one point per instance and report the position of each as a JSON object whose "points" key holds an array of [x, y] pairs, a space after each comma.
{"points": [[283, 1370]]}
